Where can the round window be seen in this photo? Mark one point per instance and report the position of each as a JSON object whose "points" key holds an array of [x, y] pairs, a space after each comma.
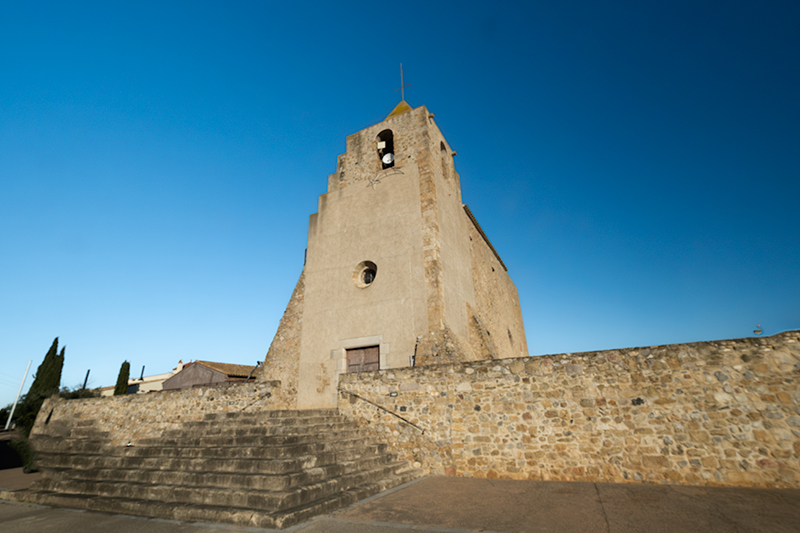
{"points": [[364, 274]]}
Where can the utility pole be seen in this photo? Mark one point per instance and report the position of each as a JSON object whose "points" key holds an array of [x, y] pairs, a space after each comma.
{"points": [[8, 422]]}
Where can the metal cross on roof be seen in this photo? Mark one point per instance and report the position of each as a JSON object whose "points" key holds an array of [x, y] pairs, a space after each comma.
{"points": [[402, 88]]}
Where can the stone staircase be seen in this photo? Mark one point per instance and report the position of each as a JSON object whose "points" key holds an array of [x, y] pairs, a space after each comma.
{"points": [[270, 469]]}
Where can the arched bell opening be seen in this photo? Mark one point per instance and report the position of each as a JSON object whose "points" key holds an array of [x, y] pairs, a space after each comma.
{"points": [[385, 142]]}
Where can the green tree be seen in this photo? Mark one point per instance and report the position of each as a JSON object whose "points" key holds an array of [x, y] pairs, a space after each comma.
{"points": [[77, 393], [46, 382], [4, 412], [122, 380], [59, 369]]}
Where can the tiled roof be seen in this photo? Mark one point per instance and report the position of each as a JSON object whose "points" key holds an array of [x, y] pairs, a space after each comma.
{"points": [[231, 370], [401, 108]]}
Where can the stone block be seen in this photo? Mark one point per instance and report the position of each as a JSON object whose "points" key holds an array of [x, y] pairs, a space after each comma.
{"points": [[516, 366]]}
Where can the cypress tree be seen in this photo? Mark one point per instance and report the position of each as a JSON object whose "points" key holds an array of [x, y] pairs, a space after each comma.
{"points": [[46, 382], [59, 369], [48, 376], [122, 380]]}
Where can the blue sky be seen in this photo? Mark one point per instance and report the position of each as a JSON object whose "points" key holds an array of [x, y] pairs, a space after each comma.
{"points": [[636, 165]]}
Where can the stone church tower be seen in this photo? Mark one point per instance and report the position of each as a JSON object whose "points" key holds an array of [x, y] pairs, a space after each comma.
{"points": [[398, 271]]}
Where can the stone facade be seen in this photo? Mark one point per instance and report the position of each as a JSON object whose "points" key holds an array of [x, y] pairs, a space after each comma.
{"points": [[130, 418], [709, 413], [435, 279]]}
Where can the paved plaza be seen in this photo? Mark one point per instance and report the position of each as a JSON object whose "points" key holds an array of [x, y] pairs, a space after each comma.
{"points": [[455, 505]]}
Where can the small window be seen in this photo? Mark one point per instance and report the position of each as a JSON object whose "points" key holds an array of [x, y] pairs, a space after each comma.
{"points": [[368, 276], [385, 143], [364, 274]]}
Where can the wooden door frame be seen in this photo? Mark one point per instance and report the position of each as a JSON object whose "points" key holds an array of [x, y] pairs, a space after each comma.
{"points": [[340, 354]]}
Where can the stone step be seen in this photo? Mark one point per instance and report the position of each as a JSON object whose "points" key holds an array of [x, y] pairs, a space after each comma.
{"points": [[242, 447], [285, 413], [267, 428], [86, 432], [221, 514], [241, 498], [196, 464], [253, 480], [255, 439], [244, 421], [195, 430], [74, 431], [245, 441], [270, 417], [343, 499], [47, 444], [237, 427], [269, 469]]}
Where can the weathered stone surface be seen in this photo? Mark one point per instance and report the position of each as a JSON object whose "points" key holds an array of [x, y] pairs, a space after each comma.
{"points": [[127, 419], [608, 423], [281, 361], [440, 347], [249, 469], [710, 413], [439, 289]]}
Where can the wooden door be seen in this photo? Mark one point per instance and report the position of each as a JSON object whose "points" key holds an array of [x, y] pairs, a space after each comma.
{"points": [[363, 359]]}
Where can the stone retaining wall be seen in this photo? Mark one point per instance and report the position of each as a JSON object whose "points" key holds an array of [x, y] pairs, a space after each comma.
{"points": [[709, 413], [141, 416]]}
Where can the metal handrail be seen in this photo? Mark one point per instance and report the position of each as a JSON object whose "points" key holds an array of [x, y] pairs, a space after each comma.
{"points": [[383, 408]]}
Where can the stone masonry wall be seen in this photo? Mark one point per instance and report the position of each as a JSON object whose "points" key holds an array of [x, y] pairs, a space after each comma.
{"points": [[283, 357], [141, 416], [496, 299], [708, 413], [431, 230]]}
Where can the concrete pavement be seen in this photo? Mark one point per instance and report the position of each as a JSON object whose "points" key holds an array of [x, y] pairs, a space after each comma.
{"points": [[536, 506], [456, 505], [12, 479]]}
